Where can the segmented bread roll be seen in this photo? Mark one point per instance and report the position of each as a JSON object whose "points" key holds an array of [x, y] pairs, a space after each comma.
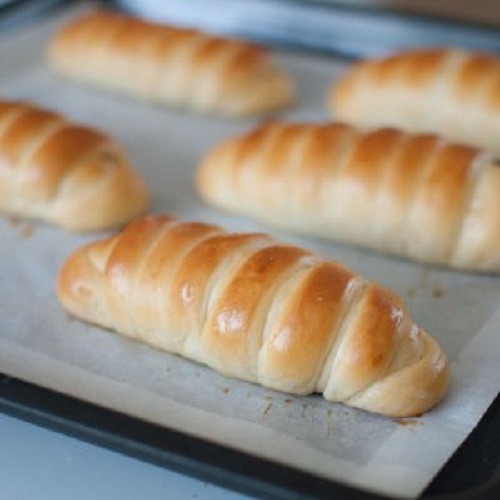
{"points": [[450, 92], [172, 65], [258, 310], [62, 173], [415, 196]]}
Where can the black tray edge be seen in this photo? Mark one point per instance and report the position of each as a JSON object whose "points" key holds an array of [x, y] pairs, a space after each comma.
{"points": [[328, 27], [164, 447], [471, 473]]}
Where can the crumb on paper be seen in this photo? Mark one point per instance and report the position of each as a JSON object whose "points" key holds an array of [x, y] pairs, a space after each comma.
{"points": [[26, 228], [437, 291], [13, 220], [266, 410], [406, 422]]}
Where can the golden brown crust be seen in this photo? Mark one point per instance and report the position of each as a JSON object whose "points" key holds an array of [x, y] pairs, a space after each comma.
{"points": [[162, 63], [450, 92], [412, 195], [259, 310], [62, 173]]}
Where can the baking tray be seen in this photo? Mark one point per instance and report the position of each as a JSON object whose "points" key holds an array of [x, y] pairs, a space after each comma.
{"points": [[472, 472], [14, 13], [342, 27]]}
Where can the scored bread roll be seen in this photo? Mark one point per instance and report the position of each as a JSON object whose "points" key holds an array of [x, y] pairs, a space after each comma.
{"points": [[451, 92], [161, 63], [62, 173], [413, 195], [259, 310]]}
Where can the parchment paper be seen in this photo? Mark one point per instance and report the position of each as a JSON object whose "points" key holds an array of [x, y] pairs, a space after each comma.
{"points": [[41, 344]]}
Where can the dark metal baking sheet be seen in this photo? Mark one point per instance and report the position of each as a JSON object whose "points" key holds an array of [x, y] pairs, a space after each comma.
{"points": [[473, 472], [334, 27], [14, 13]]}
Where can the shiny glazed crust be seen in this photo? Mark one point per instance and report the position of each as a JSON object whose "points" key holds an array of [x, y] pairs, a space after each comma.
{"points": [[167, 64], [258, 310], [413, 195], [62, 173], [450, 92]]}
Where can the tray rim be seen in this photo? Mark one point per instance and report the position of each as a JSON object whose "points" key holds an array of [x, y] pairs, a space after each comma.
{"points": [[246, 473], [237, 470]]}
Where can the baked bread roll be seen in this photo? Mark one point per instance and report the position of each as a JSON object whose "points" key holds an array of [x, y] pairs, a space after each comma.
{"points": [[167, 64], [62, 173], [451, 92], [258, 310], [413, 195]]}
